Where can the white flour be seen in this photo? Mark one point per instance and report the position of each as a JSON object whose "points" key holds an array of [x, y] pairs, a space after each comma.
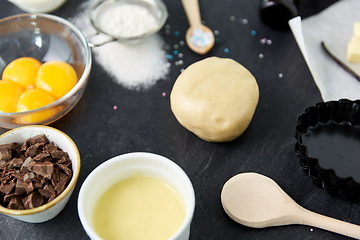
{"points": [[134, 66], [125, 20]]}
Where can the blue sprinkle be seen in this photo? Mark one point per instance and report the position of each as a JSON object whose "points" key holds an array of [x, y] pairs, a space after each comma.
{"points": [[226, 50], [177, 33], [168, 56], [176, 52], [253, 33], [217, 40]]}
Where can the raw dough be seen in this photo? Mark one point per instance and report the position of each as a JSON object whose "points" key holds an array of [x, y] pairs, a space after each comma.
{"points": [[215, 98]]}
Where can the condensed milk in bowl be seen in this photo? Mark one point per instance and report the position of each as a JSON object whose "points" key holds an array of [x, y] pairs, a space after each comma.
{"points": [[137, 196]]}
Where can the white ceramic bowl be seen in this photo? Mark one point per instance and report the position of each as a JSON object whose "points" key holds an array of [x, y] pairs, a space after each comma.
{"points": [[130, 165], [38, 6], [53, 208]]}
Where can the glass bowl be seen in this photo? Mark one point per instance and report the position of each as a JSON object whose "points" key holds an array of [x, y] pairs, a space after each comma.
{"points": [[46, 38], [106, 20]]}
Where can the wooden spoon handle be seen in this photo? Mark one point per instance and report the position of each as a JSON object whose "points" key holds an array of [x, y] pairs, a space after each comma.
{"points": [[192, 12], [309, 218]]}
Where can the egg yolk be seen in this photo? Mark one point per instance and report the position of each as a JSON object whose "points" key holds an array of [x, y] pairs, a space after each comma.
{"points": [[57, 78], [32, 99], [9, 95], [22, 71]]}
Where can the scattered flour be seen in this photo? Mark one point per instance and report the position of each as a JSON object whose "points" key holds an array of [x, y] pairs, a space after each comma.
{"points": [[137, 65]]}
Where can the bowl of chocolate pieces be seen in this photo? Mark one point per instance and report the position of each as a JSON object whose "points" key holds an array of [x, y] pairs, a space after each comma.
{"points": [[39, 167]]}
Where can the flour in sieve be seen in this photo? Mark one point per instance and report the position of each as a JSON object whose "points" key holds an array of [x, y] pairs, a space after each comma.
{"points": [[125, 20], [134, 66]]}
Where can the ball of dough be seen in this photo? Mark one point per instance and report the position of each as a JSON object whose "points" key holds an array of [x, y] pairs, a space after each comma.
{"points": [[215, 99]]}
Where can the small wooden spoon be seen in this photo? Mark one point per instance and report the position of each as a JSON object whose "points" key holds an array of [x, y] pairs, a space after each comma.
{"points": [[193, 14], [257, 201]]}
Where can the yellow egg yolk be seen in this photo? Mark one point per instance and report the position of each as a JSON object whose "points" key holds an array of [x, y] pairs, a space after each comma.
{"points": [[9, 95], [57, 78], [32, 99], [22, 71]]}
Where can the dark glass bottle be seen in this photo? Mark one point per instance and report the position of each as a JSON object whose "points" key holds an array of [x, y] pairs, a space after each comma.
{"points": [[277, 13]]}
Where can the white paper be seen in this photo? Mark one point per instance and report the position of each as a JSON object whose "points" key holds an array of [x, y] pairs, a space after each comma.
{"points": [[334, 26]]}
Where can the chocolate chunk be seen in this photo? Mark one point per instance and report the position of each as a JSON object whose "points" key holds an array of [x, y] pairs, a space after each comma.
{"points": [[55, 178], [38, 185], [20, 188], [29, 177], [60, 186], [44, 169], [23, 147], [5, 152], [48, 187], [58, 154], [29, 187], [16, 163], [33, 200], [32, 151], [27, 162], [45, 194], [8, 187], [41, 138], [50, 148], [65, 169], [16, 204], [41, 157]]}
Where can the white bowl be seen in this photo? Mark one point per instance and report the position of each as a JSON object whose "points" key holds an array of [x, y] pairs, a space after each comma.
{"points": [[127, 166], [53, 208], [38, 6]]}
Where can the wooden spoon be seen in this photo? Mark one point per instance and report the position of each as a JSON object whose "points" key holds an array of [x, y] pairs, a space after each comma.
{"points": [[257, 201], [202, 32]]}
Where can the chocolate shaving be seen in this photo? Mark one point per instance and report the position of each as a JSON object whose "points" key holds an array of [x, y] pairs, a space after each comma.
{"points": [[5, 152], [8, 197]]}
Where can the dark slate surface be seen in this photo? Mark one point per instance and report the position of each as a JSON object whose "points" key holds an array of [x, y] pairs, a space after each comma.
{"points": [[144, 122]]}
